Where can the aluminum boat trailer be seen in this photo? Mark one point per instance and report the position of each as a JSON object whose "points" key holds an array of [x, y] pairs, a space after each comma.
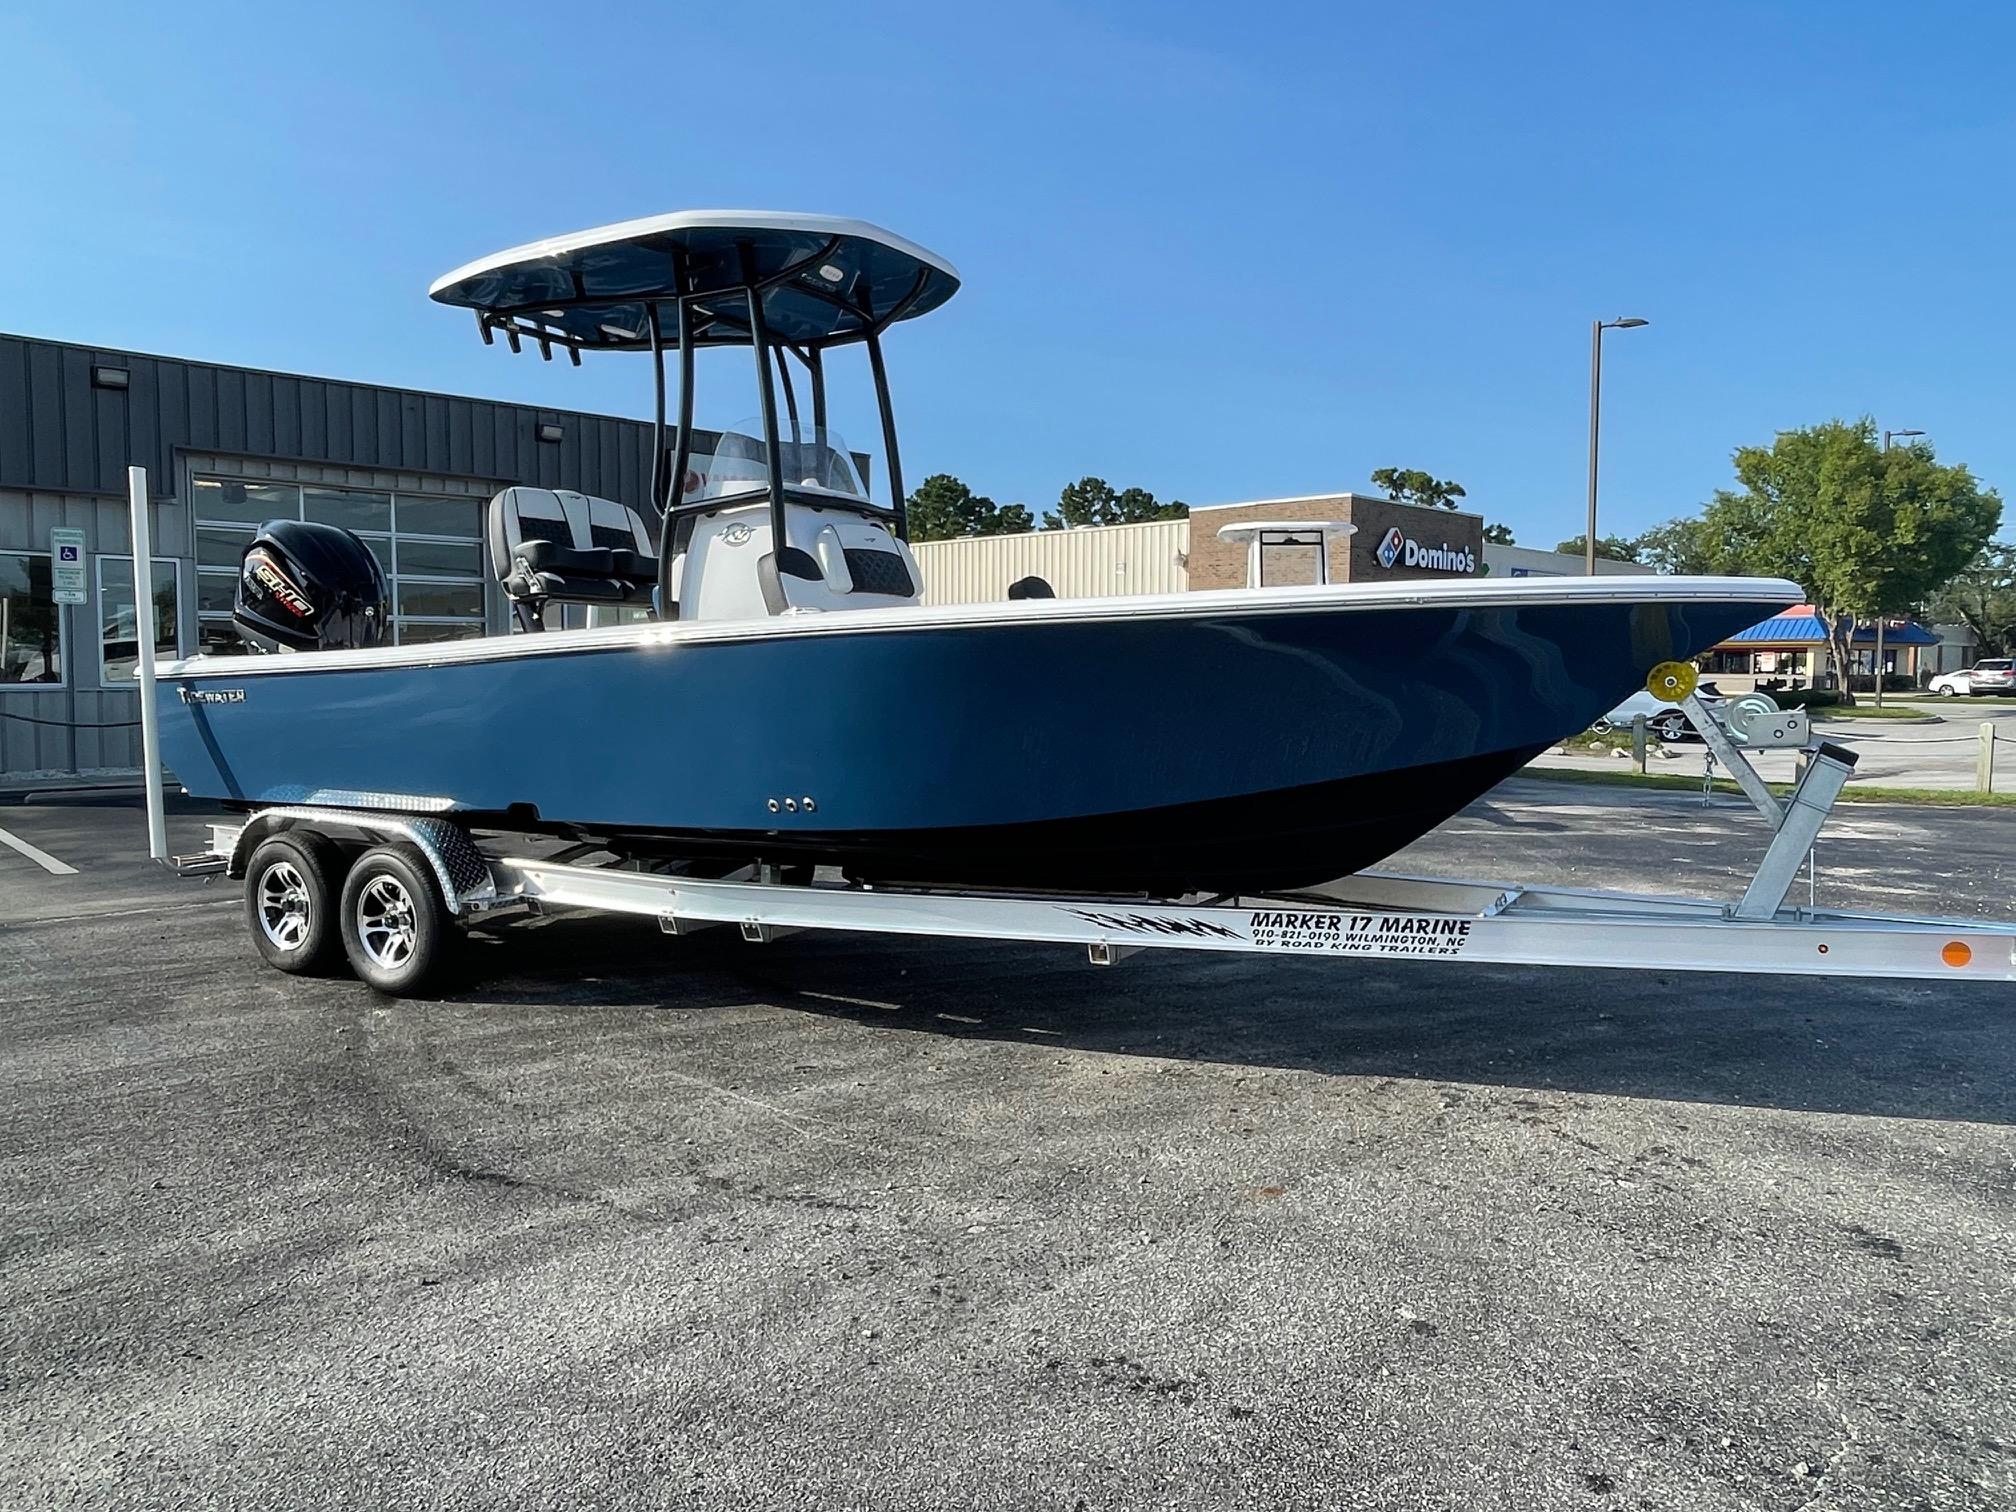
{"points": [[408, 882]]}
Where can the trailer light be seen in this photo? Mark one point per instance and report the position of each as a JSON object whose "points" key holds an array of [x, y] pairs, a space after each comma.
{"points": [[1957, 953]]}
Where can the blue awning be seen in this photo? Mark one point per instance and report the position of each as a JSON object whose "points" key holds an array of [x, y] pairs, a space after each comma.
{"points": [[1804, 630]]}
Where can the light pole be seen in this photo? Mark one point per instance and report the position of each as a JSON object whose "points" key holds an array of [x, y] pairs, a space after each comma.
{"points": [[1877, 680], [1596, 330]]}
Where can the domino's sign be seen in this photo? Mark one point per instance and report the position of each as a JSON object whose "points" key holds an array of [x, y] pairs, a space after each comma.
{"points": [[1398, 549]]}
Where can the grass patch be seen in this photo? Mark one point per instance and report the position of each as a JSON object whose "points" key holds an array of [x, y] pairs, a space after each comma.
{"points": [[1589, 743], [1674, 782]]}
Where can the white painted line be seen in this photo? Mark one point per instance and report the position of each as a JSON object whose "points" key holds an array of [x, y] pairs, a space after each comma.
{"points": [[41, 858]]}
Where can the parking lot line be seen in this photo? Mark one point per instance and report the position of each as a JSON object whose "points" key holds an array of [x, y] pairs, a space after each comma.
{"points": [[40, 857]]}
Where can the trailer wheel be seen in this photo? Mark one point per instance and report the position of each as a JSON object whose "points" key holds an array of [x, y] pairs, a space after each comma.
{"points": [[396, 928], [291, 884]]}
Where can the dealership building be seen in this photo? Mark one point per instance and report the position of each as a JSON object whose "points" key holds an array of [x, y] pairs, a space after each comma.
{"points": [[1270, 543], [225, 449]]}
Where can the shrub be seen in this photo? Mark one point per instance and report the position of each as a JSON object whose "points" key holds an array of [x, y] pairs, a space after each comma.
{"points": [[1806, 698]]}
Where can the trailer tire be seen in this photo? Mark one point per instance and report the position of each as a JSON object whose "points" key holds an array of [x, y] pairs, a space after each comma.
{"points": [[396, 928], [291, 886]]}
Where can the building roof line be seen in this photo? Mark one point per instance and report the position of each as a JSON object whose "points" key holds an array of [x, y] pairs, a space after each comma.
{"points": [[97, 352]]}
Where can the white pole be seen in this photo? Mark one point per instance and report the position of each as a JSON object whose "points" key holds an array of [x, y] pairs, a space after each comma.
{"points": [[143, 624]]}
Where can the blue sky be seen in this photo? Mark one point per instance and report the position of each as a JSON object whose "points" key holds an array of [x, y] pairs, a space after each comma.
{"points": [[1221, 252]]}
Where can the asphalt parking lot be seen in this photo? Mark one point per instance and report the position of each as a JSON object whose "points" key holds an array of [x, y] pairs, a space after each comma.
{"points": [[842, 1222]]}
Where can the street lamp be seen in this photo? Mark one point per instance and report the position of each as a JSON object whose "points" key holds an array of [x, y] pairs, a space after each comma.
{"points": [[1596, 330], [1877, 680]]}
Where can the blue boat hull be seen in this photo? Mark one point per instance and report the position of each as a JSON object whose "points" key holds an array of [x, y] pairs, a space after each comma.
{"points": [[1233, 749]]}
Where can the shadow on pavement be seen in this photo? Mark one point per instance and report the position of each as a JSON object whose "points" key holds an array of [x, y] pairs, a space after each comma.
{"points": [[1873, 1048]]}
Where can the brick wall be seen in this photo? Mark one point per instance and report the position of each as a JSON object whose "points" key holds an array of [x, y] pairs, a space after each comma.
{"points": [[1222, 564]]}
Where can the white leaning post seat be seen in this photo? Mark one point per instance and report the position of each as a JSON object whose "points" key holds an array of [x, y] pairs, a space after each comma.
{"points": [[835, 557], [548, 544]]}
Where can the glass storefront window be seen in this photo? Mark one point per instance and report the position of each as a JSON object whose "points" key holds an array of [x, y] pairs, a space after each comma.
{"points": [[417, 632], [423, 515], [430, 547], [220, 638], [254, 503], [215, 591], [221, 546], [118, 632], [440, 558], [448, 600], [31, 628], [352, 508]]}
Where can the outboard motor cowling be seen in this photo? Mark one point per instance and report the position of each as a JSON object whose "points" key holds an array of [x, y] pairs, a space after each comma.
{"points": [[309, 587]]}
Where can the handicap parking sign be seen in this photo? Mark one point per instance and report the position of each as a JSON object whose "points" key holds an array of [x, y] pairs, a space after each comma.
{"points": [[67, 574]]}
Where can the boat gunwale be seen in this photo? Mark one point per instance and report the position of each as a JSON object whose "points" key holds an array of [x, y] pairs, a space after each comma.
{"points": [[1238, 603]]}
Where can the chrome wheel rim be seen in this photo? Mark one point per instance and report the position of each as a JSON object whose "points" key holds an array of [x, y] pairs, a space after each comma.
{"points": [[283, 905], [385, 926]]}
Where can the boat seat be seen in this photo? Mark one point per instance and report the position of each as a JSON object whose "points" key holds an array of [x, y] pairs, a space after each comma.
{"points": [[549, 545]]}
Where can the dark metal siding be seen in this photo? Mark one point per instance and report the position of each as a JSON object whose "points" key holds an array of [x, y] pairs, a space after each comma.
{"points": [[58, 434]]}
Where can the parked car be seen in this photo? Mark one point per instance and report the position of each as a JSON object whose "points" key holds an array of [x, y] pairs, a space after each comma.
{"points": [[1668, 721], [1995, 675]]}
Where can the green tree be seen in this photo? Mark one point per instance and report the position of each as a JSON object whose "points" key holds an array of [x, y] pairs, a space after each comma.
{"points": [[1983, 598], [1498, 535], [1093, 501], [1408, 485], [1862, 530], [1678, 546], [943, 509], [1616, 548]]}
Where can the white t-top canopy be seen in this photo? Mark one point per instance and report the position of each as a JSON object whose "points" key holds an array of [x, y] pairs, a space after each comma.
{"points": [[825, 280]]}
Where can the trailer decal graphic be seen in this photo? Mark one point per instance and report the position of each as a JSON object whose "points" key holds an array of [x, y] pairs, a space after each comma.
{"points": [[1368, 934], [1138, 923]]}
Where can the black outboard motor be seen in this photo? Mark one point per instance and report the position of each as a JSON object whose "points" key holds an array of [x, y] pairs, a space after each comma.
{"points": [[309, 587]]}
